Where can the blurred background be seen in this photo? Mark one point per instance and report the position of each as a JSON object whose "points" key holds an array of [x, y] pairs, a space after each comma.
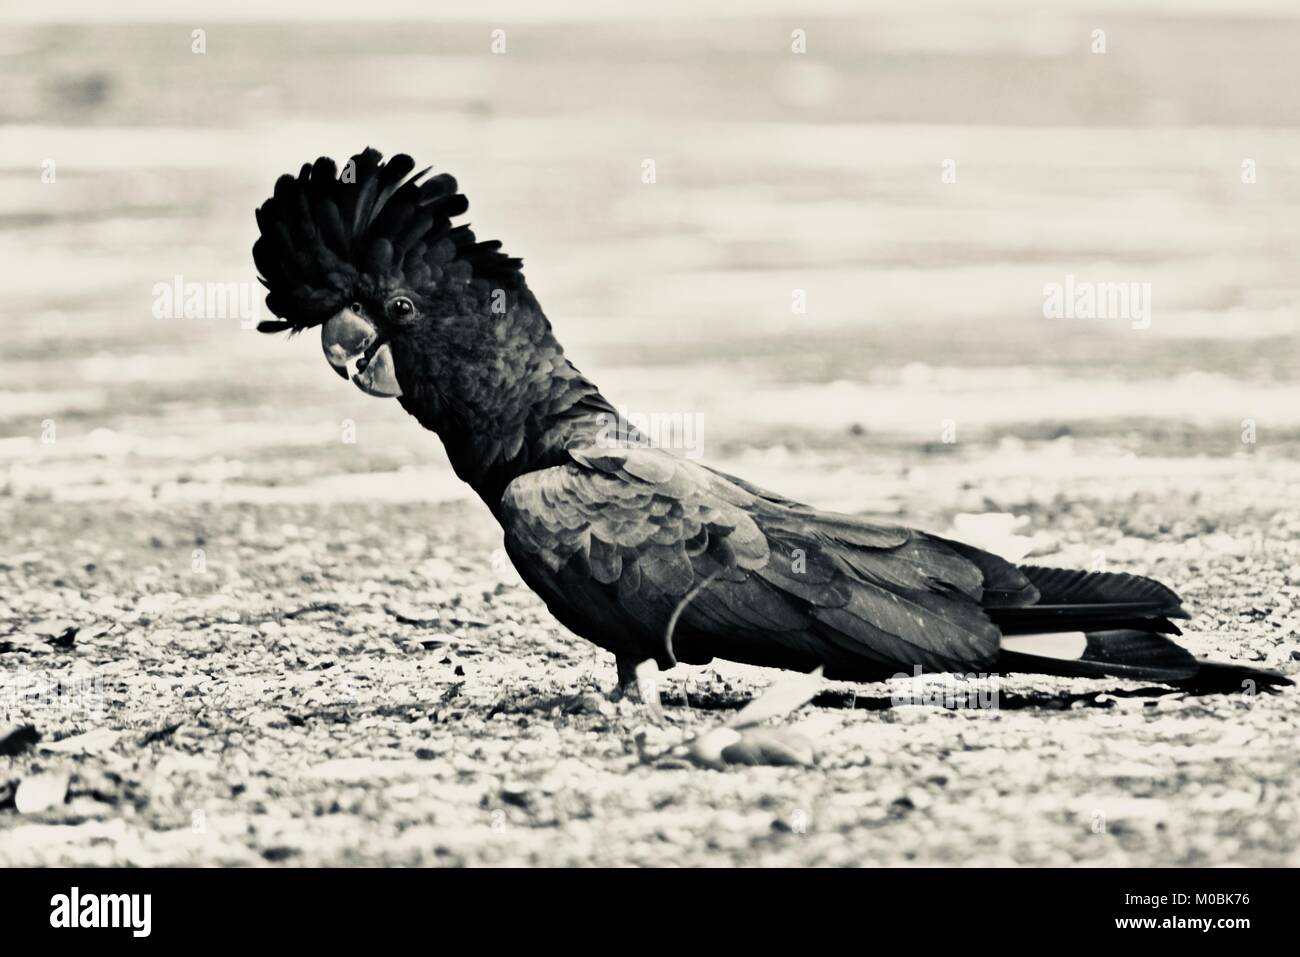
{"points": [[922, 356], [302, 630]]}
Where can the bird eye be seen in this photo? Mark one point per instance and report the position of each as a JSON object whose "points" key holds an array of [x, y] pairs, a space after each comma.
{"points": [[400, 307], [356, 308]]}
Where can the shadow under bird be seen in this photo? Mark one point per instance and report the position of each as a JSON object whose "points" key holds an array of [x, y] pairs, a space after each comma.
{"points": [[614, 534]]}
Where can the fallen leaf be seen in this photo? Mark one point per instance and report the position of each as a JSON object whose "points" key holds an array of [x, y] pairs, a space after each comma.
{"points": [[722, 747], [784, 696], [778, 746], [707, 748]]}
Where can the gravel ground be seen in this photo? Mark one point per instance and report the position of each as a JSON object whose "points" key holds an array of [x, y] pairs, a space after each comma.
{"points": [[368, 684]]}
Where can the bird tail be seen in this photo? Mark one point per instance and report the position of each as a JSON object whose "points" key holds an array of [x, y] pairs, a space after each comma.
{"points": [[1097, 624]]}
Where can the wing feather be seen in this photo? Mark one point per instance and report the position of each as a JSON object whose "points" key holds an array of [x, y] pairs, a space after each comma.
{"points": [[617, 537]]}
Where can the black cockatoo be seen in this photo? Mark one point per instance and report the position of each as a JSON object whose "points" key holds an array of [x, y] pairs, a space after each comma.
{"points": [[617, 536]]}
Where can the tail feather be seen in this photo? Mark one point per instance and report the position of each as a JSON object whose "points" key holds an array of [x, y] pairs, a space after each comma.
{"points": [[1111, 625], [1064, 586], [1124, 653], [1226, 676], [1048, 618]]}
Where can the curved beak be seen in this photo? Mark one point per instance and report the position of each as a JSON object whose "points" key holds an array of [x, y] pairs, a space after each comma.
{"points": [[355, 349]]}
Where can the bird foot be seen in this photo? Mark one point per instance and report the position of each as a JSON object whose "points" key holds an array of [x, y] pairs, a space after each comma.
{"points": [[625, 698], [637, 684], [629, 682]]}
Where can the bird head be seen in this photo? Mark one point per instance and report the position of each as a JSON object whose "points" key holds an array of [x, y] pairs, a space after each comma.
{"points": [[369, 254]]}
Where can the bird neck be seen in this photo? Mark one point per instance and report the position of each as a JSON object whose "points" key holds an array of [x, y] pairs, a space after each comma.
{"points": [[516, 414]]}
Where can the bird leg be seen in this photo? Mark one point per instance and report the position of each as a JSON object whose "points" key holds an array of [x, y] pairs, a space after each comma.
{"points": [[639, 689], [627, 683]]}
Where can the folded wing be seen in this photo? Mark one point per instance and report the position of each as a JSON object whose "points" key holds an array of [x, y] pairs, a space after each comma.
{"points": [[617, 538]]}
